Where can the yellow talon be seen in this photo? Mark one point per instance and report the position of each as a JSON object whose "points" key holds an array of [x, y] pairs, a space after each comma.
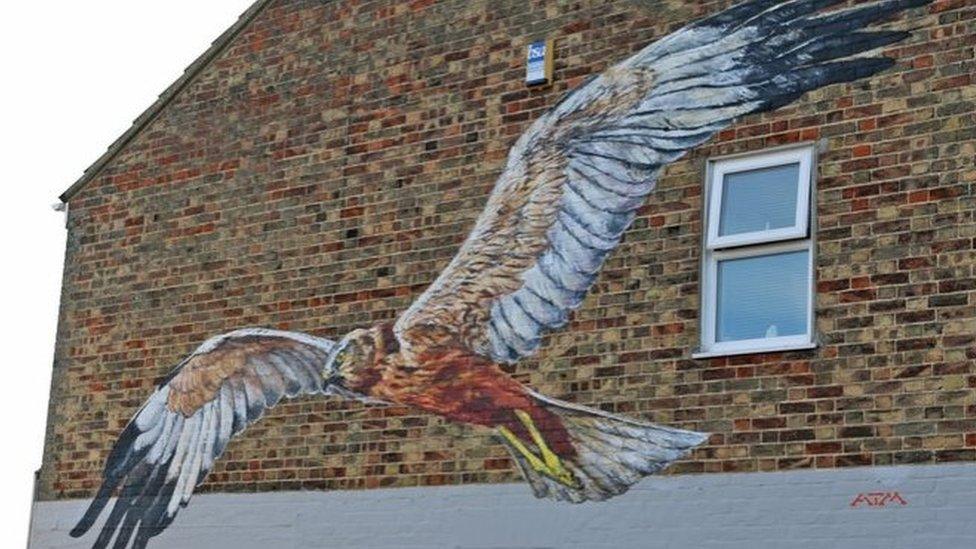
{"points": [[550, 464]]}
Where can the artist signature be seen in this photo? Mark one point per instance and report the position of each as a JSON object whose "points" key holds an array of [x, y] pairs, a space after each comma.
{"points": [[878, 499]]}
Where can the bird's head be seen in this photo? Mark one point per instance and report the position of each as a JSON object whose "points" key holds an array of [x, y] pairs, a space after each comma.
{"points": [[356, 362], [352, 360]]}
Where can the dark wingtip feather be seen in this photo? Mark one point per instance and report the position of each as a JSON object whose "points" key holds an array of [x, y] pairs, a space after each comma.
{"points": [[94, 509], [155, 519], [908, 4], [120, 461], [801, 80], [859, 17], [850, 44], [772, 16], [114, 518]]}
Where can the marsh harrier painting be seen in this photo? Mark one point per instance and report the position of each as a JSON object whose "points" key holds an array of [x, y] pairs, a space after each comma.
{"points": [[569, 190]]}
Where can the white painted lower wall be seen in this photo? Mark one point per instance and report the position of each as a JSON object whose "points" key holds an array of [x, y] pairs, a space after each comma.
{"points": [[935, 509]]}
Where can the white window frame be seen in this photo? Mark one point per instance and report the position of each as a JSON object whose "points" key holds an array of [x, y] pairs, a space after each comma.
{"points": [[717, 248], [721, 168]]}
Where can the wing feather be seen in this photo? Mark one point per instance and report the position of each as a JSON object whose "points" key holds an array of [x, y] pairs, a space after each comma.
{"points": [[575, 179], [170, 445], [240, 404], [226, 427]]}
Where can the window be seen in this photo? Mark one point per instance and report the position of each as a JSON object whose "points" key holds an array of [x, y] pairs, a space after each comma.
{"points": [[757, 272]]}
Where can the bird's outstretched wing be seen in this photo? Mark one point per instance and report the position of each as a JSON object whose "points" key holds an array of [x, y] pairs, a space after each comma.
{"points": [[575, 179], [171, 443]]}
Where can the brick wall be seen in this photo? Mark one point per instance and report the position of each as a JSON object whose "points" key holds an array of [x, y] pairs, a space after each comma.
{"points": [[319, 174]]}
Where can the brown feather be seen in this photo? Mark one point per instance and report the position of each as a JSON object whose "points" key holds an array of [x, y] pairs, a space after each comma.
{"points": [[201, 377], [464, 387]]}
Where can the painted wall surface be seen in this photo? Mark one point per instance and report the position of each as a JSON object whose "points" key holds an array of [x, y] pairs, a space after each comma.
{"points": [[326, 167], [925, 507], [570, 190]]}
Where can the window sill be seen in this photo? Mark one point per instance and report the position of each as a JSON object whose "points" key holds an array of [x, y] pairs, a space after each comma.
{"points": [[755, 350]]}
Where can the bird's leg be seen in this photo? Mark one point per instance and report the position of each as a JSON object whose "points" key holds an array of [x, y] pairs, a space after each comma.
{"points": [[549, 464]]}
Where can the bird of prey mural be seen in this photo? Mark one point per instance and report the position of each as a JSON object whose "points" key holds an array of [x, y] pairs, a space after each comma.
{"points": [[569, 190]]}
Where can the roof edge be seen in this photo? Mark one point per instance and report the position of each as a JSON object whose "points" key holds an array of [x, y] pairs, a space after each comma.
{"points": [[169, 94]]}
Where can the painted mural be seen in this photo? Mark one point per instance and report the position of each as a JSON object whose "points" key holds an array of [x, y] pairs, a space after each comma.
{"points": [[570, 189]]}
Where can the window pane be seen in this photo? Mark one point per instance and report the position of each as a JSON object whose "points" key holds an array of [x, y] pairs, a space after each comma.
{"points": [[762, 297], [759, 200]]}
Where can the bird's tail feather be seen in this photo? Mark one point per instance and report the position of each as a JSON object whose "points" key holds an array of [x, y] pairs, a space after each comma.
{"points": [[612, 452]]}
